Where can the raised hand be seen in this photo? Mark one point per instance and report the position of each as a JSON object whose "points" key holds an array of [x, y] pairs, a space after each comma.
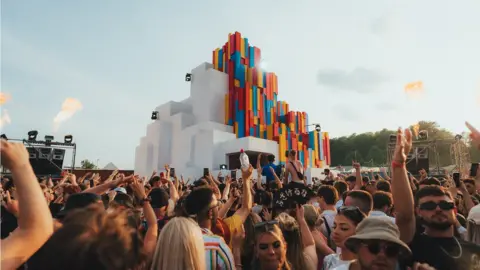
{"points": [[247, 174], [403, 145], [13, 155]]}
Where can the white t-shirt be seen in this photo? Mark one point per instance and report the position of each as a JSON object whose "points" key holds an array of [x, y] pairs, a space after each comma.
{"points": [[333, 261], [343, 267]]}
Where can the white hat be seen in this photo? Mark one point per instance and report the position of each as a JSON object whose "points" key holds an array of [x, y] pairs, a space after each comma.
{"points": [[474, 214]]}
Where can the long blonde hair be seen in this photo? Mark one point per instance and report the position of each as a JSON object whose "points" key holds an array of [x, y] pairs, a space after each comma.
{"points": [[180, 246], [291, 233]]}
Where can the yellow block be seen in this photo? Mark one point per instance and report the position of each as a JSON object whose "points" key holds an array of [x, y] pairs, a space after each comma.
{"points": [[300, 145], [224, 61], [262, 128], [250, 102], [270, 132], [237, 83], [260, 77], [236, 129]]}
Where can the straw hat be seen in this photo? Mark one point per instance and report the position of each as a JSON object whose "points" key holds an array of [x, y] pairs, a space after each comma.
{"points": [[377, 228]]}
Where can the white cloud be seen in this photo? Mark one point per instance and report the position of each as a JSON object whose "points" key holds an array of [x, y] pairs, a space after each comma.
{"points": [[361, 80]]}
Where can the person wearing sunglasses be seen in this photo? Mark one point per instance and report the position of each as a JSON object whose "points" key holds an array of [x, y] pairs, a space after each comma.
{"points": [[376, 244], [437, 245], [270, 247]]}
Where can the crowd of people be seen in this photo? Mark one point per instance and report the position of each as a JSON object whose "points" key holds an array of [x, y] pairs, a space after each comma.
{"points": [[350, 222]]}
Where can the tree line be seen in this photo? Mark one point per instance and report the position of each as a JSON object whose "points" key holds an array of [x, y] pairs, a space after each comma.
{"points": [[370, 149]]}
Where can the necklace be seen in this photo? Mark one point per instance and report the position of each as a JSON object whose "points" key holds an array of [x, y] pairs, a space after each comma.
{"points": [[459, 247]]}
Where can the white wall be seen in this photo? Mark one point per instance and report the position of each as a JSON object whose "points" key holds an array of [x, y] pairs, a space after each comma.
{"points": [[190, 135]]}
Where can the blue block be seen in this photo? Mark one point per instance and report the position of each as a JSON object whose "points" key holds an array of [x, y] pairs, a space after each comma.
{"points": [[251, 57], [236, 56], [230, 122], [246, 47], [220, 58], [241, 124], [252, 130], [264, 78], [265, 134], [311, 140]]}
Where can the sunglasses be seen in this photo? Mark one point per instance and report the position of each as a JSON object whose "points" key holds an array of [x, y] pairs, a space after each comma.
{"points": [[266, 226], [444, 205], [390, 249]]}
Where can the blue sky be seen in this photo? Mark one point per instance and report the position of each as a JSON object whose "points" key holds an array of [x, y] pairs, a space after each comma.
{"points": [[343, 62]]}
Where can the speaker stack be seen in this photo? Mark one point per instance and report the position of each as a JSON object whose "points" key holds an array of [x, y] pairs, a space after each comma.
{"points": [[45, 160], [418, 159]]}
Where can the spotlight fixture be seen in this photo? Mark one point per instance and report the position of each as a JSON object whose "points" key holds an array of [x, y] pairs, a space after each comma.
{"points": [[154, 115], [68, 139], [318, 128], [32, 135], [392, 139], [188, 77], [48, 140], [423, 135], [458, 137], [3, 136]]}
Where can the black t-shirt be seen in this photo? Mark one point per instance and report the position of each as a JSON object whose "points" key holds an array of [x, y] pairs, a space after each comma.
{"points": [[8, 223], [445, 253]]}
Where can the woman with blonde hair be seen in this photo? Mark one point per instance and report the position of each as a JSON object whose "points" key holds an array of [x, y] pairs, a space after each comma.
{"points": [[270, 248], [180, 246], [301, 251]]}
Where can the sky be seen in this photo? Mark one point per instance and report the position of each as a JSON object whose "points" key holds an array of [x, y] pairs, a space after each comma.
{"points": [[344, 62]]}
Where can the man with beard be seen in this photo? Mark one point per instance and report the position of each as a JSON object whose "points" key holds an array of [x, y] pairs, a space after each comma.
{"points": [[437, 245]]}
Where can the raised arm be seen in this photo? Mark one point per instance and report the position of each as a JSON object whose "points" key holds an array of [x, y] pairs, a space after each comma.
{"points": [[35, 224], [401, 191]]}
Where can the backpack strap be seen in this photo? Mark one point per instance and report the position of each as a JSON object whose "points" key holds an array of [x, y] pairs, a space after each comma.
{"points": [[329, 231]]}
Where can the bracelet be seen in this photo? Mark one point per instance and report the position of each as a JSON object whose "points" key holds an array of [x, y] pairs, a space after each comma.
{"points": [[144, 200], [396, 164]]}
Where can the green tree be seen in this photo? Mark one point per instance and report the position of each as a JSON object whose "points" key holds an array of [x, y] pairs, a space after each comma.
{"points": [[87, 164], [370, 148]]}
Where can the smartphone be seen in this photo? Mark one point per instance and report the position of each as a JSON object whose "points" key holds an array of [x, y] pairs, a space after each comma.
{"points": [[456, 179], [92, 184], [206, 171], [172, 172], [233, 175], [473, 170]]}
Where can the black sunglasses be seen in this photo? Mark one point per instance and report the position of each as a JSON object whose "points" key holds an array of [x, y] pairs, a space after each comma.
{"points": [[444, 205], [265, 226], [390, 249]]}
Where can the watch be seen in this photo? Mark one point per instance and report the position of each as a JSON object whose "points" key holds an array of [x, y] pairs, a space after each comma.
{"points": [[144, 200]]}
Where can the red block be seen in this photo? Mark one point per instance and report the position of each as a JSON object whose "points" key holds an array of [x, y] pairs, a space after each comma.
{"points": [[276, 138], [275, 129]]}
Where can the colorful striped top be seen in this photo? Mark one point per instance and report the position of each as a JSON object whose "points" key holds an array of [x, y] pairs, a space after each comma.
{"points": [[217, 254]]}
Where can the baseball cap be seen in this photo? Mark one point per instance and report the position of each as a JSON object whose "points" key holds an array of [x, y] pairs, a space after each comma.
{"points": [[123, 199]]}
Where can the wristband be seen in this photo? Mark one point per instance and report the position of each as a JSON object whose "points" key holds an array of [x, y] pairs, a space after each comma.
{"points": [[396, 164], [144, 200]]}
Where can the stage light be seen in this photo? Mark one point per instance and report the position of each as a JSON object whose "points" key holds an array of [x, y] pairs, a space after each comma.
{"points": [[423, 135], [188, 77], [3, 136], [68, 139], [32, 135], [154, 115], [48, 140], [318, 128]]}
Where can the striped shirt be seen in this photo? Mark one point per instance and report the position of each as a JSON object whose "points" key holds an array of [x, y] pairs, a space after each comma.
{"points": [[218, 255]]}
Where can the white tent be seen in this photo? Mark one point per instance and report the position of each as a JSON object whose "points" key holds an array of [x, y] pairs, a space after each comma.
{"points": [[110, 166]]}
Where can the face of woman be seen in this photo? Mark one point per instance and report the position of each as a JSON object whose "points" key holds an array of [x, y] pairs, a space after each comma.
{"points": [[342, 229], [271, 251]]}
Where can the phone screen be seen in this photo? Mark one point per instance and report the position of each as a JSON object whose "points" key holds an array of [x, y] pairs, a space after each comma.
{"points": [[456, 179], [206, 172], [473, 170], [233, 175], [172, 172]]}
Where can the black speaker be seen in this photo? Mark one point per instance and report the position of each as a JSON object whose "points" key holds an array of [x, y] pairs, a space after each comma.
{"points": [[46, 161], [414, 165]]}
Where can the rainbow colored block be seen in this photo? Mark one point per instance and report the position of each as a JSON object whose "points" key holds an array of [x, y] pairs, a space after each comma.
{"points": [[253, 109]]}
